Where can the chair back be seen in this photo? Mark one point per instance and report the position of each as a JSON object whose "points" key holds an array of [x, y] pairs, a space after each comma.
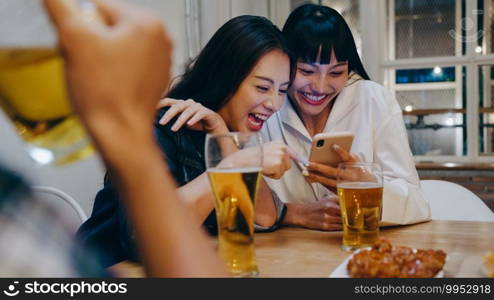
{"points": [[451, 201], [73, 213]]}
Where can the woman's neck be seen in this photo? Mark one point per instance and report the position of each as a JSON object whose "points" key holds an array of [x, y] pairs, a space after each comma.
{"points": [[315, 124]]}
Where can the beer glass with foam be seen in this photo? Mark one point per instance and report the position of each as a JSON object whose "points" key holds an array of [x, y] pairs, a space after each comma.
{"points": [[234, 165], [360, 190]]}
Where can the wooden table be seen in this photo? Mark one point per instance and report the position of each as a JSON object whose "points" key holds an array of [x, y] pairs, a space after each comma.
{"points": [[295, 252]]}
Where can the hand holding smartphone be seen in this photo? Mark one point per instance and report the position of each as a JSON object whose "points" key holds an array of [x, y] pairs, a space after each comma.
{"points": [[322, 147]]}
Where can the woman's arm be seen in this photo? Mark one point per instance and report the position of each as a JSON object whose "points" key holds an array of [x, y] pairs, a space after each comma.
{"points": [[168, 234], [117, 107], [199, 199], [266, 213], [324, 214], [403, 202]]}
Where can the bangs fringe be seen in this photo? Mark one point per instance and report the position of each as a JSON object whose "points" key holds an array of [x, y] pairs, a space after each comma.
{"points": [[314, 31], [315, 42]]}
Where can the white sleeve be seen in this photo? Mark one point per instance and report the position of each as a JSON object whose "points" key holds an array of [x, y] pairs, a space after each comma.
{"points": [[403, 201]]}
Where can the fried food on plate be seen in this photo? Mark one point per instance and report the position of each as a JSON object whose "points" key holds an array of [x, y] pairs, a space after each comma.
{"points": [[385, 260], [489, 264]]}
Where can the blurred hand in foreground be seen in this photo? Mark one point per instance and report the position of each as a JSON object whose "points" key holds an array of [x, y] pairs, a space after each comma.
{"points": [[116, 72]]}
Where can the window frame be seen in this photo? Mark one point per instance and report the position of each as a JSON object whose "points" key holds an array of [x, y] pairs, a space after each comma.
{"points": [[471, 61]]}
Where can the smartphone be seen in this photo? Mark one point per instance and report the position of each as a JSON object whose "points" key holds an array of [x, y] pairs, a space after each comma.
{"points": [[322, 147]]}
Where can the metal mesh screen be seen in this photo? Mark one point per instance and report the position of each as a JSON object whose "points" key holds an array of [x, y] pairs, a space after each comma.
{"points": [[486, 107], [427, 99], [486, 26], [424, 28], [430, 142], [431, 133]]}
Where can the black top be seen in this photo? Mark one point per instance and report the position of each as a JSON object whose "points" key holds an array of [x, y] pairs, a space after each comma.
{"points": [[108, 230]]}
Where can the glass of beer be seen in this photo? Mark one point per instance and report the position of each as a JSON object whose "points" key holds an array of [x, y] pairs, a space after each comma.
{"points": [[33, 95], [234, 165], [360, 190]]}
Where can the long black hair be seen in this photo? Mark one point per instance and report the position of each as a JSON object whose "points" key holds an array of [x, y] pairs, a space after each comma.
{"points": [[227, 59], [313, 31]]}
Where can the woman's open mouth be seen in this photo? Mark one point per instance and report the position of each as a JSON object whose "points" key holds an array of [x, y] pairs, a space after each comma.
{"points": [[313, 99], [255, 121]]}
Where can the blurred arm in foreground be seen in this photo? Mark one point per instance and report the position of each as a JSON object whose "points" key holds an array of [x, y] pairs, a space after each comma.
{"points": [[116, 74]]}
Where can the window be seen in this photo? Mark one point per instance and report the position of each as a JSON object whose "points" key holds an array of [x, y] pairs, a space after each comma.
{"points": [[486, 109], [439, 63], [422, 28]]}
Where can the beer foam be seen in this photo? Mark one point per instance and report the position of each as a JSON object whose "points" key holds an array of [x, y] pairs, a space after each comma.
{"points": [[235, 170], [359, 185]]}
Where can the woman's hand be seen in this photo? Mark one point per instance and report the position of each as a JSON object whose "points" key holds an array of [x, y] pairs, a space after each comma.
{"points": [[326, 175], [277, 159], [275, 163], [324, 214], [193, 115]]}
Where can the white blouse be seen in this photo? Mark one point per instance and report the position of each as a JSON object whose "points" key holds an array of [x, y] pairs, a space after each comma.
{"points": [[373, 115]]}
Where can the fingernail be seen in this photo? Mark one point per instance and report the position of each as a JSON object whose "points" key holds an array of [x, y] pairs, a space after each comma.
{"points": [[336, 147], [305, 173]]}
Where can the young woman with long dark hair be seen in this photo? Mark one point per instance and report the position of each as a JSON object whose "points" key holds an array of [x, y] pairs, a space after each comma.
{"points": [[332, 92]]}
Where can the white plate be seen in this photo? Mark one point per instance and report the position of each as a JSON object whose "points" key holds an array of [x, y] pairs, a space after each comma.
{"points": [[341, 271], [485, 271]]}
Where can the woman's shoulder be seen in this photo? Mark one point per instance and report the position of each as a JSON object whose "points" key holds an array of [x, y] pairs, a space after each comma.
{"points": [[369, 87], [166, 130], [183, 139], [372, 93]]}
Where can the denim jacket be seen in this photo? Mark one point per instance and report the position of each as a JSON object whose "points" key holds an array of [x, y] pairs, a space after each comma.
{"points": [[108, 230]]}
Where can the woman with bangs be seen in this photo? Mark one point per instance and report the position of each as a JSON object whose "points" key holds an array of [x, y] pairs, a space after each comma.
{"points": [[332, 92]]}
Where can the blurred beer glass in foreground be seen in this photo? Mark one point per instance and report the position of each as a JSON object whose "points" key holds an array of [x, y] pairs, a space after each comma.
{"points": [[360, 189], [33, 93], [234, 165]]}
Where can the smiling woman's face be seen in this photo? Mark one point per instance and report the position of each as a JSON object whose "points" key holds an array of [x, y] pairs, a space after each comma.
{"points": [[316, 86], [260, 94]]}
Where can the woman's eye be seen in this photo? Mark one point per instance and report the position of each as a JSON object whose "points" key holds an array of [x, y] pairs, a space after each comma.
{"points": [[283, 92], [336, 73], [262, 88], [306, 71]]}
